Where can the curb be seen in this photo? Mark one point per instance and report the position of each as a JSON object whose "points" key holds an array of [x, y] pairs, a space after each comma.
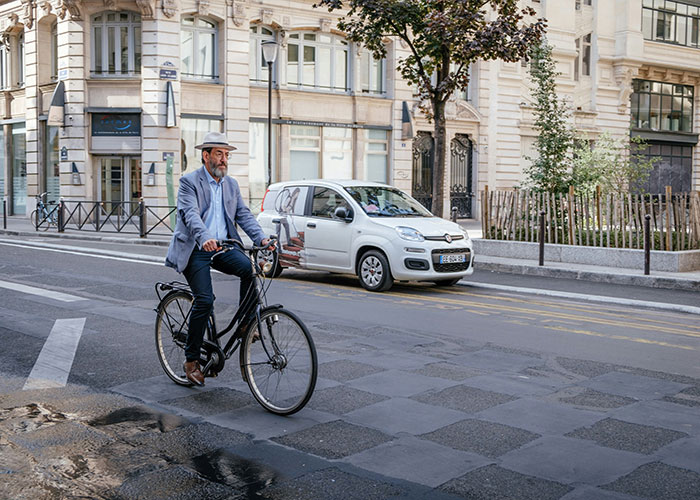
{"points": [[87, 237], [599, 277]]}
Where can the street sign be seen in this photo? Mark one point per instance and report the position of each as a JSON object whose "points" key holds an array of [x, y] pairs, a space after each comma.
{"points": [[64, 153]]}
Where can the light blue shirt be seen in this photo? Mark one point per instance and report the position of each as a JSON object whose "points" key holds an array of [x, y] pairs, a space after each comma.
{"points": [[216, 217]]}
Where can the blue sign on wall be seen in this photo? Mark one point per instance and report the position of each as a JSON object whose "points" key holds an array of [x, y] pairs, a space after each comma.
{"points": [[116, 124]]}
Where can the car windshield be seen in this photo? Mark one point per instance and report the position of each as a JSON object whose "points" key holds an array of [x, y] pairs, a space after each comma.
{"points": [[379, 201]]}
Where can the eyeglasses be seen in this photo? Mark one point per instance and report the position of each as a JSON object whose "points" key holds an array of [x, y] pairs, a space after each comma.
{"points": [[220, 154]]}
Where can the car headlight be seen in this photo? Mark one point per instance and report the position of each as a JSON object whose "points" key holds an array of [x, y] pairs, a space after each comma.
{"points": [[465, 233], [408, 233]]}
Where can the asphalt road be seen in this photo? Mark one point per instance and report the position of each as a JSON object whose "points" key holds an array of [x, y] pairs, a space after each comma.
{"points": [[419, 371]]}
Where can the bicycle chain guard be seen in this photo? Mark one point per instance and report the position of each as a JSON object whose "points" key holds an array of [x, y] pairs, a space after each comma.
{"points": [[212, 359]]}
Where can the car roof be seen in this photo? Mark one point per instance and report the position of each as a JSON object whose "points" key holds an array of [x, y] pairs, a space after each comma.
{"points": [[337, 183]]}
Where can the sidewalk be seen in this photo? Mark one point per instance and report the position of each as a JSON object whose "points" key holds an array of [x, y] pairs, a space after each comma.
{"points": [[21, 226]]}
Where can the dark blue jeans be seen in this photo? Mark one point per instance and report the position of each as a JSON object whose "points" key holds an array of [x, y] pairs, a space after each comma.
{"points": [[198, 276]]}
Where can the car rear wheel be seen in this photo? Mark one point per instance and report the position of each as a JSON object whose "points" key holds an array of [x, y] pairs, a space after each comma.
{"points": [[374, 273]]}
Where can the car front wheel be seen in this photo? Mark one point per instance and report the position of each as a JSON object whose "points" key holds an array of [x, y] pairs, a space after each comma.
{"points": [[374, 273]]}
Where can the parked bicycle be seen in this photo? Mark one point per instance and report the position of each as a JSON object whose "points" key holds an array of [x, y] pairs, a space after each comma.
{"points": [[46, 214], [277, 355]]}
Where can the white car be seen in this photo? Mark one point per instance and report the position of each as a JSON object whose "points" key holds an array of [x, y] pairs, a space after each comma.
{"points": [[374, 231]]}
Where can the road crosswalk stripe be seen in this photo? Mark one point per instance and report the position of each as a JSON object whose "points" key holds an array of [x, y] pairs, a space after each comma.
{"points": [[51, 294], [55, 360]]}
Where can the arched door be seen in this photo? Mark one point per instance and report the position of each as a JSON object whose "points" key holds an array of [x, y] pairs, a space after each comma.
{"points": [[423, 154], [461, 194]]}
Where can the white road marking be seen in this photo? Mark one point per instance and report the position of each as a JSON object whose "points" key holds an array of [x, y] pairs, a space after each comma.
{"points": [[586, 297], [42, 292], [137, 258], [55, 360]]}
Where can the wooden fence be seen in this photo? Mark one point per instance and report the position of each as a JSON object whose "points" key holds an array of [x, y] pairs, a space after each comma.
{"points": [[614, 220]]}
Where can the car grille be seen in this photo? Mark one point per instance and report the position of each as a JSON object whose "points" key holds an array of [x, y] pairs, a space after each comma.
{"points": [[454, 267], [454, 237]]}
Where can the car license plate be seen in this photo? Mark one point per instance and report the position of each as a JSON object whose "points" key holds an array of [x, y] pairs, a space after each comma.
{"points": [[453, 258]]}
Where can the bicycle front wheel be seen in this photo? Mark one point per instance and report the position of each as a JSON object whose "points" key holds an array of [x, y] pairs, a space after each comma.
{"points": [[279, 363], [172, 325]]}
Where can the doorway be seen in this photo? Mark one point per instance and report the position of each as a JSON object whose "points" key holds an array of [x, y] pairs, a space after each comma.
{"points": [[120, 183]]}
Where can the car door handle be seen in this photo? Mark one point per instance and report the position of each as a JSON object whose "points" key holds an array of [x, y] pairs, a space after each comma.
{"points": [[310, 224]]}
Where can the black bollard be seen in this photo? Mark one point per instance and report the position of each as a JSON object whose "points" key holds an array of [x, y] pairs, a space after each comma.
{"points": [[142, 218], [542, 238], [647, 243], [61, 214], [4, 213]]}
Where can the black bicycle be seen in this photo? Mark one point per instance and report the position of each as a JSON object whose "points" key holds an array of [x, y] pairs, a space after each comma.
{"points": [[46, 214], [277, 355]]}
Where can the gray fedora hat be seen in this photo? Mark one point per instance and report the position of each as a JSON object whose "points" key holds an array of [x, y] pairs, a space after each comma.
{"points": [[215, 140]]}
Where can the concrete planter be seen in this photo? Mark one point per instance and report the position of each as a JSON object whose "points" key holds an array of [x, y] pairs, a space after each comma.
{"points": [[688, 260]]}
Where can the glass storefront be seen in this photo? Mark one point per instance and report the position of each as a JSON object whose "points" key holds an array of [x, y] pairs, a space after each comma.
{"points": [[120, 182], [51, 178], [257, 162], [2, 162], [193, 131], [19, 169]]}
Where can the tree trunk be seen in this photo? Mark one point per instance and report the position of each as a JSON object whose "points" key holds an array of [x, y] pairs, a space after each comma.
{"points": [[439, 159]]}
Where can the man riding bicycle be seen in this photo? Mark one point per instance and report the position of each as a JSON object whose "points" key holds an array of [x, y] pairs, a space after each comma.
{"points": [[209, 205]]}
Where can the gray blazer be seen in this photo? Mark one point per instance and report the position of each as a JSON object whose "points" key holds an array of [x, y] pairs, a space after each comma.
{"points": [[193, 203]]}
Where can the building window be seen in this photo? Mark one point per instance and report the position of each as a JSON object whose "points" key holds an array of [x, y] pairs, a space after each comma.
{"points": [[54, 52], [257, 162], [19, 169], [671, 22], [585, 2], [372, 74], [317, 61], [4, 67], [305, 152], [51, 180], [257, 65], [662, 106], [198, 40], [116, 44], [20, 60], [377, 155], [193, 131], [673, 167], [582, 63]]}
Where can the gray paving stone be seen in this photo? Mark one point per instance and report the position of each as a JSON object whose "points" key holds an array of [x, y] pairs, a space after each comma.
{"points": [[633, 386], [344, 370], [161, 388], [449, 371], [592, 493], [627, 436], [487, 359], [464, 398], [439, 350], [586, 368], [684, 453], [687, 397], [261, 424], [512, 350], [404, 415], [659, 481], [572, 461], [394, 341], [542, 417], [342, 399], [478, 436], [217, 400], [331, 484], [496, 483], [544, 372], [582, 397], [405, 458], [512, 383], [336, 439], [398, 383], [662, 414], [397, 360]]}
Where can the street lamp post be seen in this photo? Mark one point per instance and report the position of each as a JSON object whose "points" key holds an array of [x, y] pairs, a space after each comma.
{"points": [[269, 50]]}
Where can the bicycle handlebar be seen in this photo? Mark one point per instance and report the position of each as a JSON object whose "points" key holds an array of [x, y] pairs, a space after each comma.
{"points": [[228, 244]]}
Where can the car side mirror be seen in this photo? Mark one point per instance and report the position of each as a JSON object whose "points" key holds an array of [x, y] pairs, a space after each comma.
{"points": [[343, 214]]}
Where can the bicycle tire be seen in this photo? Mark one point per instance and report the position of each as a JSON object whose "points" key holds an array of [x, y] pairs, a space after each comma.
{"points": [[41, 224], [284, 382], [172, 323]]}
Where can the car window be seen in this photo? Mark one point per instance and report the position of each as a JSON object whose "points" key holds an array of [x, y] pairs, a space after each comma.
{"points": [[291, 200], [325, 202], [269, 200], [379, 201]]}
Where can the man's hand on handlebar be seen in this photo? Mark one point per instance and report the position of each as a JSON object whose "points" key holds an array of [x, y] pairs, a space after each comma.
{"points": [[211, 245], [268, 241]]}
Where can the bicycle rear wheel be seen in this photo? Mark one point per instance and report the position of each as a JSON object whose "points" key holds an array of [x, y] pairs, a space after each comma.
{"points": [[279, 364], [42, 223], [172, 324]]}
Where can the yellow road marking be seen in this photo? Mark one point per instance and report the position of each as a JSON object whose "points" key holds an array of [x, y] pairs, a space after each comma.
{"points": [[619, 337]]}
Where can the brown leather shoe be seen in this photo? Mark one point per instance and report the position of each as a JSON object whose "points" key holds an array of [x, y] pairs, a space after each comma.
{"points": [[193, 373]]}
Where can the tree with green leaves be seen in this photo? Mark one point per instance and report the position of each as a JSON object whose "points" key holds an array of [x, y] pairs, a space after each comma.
{"points": [[443, 37], [550, 170]]}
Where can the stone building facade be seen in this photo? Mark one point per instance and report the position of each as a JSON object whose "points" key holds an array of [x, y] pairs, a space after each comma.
{"points": [[144, 80]]}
